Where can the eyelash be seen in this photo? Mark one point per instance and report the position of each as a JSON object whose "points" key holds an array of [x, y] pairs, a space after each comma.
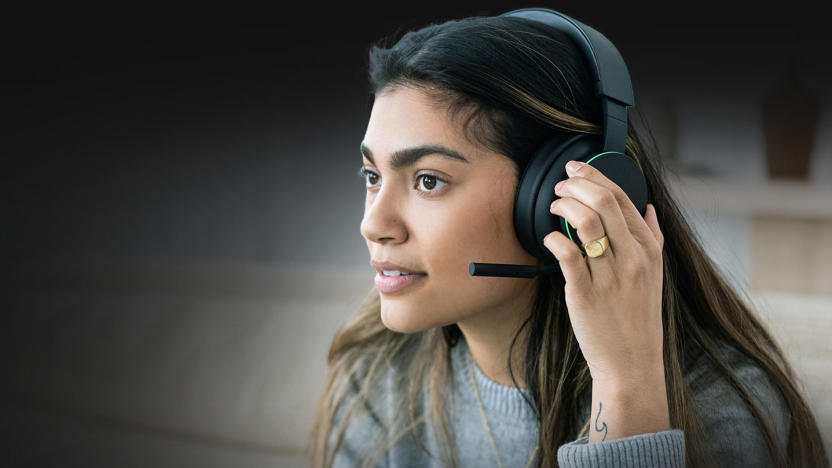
{"points": [[363, 172]]}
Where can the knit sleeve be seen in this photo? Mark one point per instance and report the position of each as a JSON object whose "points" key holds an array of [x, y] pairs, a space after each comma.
{"points": [[654, 449]]}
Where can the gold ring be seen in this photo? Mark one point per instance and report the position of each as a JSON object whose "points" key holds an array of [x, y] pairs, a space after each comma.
{"points": [[597, 247]]}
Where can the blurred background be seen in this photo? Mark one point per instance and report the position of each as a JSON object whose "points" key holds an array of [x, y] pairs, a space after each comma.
{"points": [[181, 211]]}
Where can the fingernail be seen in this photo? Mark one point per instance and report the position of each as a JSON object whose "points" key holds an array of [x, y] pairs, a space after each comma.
{"points": [[552, 206], [559, 184], [573, 166]]}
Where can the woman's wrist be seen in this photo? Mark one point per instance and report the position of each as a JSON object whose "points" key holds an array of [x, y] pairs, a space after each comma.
{"points": [[623, 408]]}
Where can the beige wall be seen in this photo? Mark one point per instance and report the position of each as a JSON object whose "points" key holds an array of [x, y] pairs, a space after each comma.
{"points": [[205, 365], [792, 254]]}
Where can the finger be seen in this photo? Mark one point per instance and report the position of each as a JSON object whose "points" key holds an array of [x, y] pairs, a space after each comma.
{"points": [[583, 219], [652, 222], [633, 218], [572, 263], [605, 204], [589, 228]]}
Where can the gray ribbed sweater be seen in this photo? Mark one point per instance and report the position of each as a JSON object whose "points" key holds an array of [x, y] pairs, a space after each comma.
{"points": [[732, 433]]}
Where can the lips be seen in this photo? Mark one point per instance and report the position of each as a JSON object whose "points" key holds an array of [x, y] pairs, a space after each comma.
{"points": [[381, 267], [392, 284]]}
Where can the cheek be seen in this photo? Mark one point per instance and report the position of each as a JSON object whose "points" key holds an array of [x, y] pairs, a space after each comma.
{"points": [[475, 232], [454, 238], [481, 229], [476, 229]]}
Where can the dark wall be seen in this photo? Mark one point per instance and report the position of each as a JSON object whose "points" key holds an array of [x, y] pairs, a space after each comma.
{"points": [[224, 137], [229, 136]]}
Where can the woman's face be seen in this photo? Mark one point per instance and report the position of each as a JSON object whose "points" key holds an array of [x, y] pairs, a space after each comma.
{"points": [[437, 214]]}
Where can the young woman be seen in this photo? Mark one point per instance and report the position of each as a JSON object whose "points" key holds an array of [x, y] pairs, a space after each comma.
{"points": [[641, 355]]}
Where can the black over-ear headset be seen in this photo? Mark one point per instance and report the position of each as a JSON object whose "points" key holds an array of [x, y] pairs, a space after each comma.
{"points": [[547, 166]]}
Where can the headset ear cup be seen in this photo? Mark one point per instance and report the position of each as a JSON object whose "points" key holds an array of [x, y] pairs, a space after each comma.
{"points": [[581, 149], [537, 187], [621, 170], [533, 221]]}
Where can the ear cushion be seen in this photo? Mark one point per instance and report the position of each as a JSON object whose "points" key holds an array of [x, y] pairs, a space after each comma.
{"points": [[536, 189]]}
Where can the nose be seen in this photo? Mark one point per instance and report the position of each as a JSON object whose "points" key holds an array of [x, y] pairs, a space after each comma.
{"points": [[383, 219]]}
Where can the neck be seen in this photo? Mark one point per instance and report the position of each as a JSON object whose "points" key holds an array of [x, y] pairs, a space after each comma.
{"points": [[489, 336]]}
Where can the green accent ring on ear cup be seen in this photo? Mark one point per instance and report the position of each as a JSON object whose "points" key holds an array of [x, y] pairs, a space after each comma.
{"points": [[569, 231]]}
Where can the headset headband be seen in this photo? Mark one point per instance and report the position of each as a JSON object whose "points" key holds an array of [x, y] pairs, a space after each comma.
{"points": [[612, 80]]}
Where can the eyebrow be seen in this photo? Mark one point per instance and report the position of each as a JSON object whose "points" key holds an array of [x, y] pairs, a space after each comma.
{"points": [[408, 156]]}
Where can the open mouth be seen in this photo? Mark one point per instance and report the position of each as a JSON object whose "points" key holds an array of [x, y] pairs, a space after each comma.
{"points": [[394, 281], [399, 273]]}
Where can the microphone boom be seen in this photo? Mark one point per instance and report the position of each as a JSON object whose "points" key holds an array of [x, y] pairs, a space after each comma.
{"points": [[510, 270]]}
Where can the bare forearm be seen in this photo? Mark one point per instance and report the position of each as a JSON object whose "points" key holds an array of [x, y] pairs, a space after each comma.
{"points": [[621, 410]]}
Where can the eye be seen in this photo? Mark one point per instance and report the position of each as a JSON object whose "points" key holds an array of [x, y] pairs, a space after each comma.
{"points": [[429, 181], [363, 172]]}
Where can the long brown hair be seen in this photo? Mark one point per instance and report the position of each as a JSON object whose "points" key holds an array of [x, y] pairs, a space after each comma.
{"points": [[517, 82]]}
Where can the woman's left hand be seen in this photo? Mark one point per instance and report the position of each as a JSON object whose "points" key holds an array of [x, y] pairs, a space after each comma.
{"points": [[614, 300]]}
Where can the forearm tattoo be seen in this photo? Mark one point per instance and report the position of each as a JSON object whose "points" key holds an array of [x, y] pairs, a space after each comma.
{"points": [[602, 428]]}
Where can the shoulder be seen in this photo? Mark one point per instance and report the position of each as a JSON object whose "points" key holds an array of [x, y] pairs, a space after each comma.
{"points": [[368, 414], [369, 392], [731, 431], [358, 418], [368, 384]]}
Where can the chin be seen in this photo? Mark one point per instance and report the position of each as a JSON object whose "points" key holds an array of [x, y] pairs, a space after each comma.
{"points": [[403, 319]]}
